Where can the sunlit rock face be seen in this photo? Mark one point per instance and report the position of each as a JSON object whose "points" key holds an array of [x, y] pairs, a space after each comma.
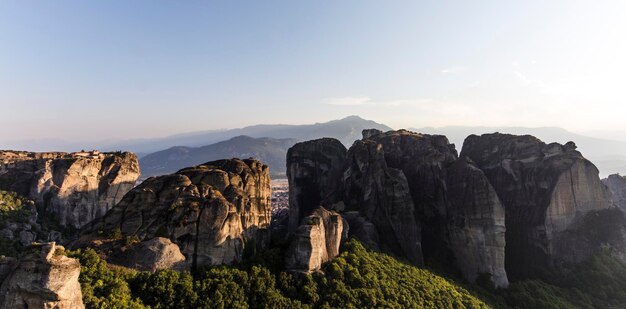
{"points": [[551, 195], [43, 277], [213, 213], [76, 188], [315, 241]]}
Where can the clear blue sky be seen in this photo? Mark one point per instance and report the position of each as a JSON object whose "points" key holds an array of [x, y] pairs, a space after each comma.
{"points": [[127, 69]]}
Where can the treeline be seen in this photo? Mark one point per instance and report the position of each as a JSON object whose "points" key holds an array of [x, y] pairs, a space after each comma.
{"points": [[358, 278]]}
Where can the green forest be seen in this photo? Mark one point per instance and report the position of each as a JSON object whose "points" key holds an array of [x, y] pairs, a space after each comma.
{"points": [[358, 278]]}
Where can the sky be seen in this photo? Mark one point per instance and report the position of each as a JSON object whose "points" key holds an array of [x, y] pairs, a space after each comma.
{"points": [[106, 70]]}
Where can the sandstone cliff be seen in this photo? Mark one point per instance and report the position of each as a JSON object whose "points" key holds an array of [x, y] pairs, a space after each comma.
{"points": [[316, 241], [212, 212], [551, 194], [42, 278], [75, 188]]}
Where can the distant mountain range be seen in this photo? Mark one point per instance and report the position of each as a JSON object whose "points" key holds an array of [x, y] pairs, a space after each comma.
{"points": [[608, 155], [270, 151], [267, 143], [347, 130]]}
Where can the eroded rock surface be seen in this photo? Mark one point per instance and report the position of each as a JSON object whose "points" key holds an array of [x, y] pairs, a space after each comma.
{"points": [[475, 223], [314, 171], [212, 212], [152, 255], [76, 188], [617, 185], [548, 191], [381, 195], [396, 198], [316, 241], [42, 278]]}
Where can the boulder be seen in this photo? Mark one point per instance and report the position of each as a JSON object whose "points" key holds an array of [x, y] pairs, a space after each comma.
{"points": [[152, 255], [315, 242], [42, 278], [76, 188], [212, 212]]}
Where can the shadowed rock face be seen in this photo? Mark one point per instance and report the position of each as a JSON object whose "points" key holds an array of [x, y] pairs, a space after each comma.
{"points": [[42, 278], [475, 223], [548, 191], [617, 185], [381, 196], [423, 160], [406, 193], [316, 241], [74, 188], [211, 212], [314, 171]]}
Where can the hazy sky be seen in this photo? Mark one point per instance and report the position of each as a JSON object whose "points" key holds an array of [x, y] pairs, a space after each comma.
{"points": [[127, 69]]}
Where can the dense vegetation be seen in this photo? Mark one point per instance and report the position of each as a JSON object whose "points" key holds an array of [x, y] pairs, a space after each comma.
{"points": [[599, 282], [13, 209], [358, 278]]}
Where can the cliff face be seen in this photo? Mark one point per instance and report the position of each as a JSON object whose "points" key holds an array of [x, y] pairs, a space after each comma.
{"points": [[548, 192], [316, 241], [211, 212], [42, 278], [617, 185], [75, 188], [475, 223], [409, 194], [381, 196], [314, 171]]}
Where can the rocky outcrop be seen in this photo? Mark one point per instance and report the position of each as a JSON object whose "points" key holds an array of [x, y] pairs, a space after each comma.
{"points": [[212, 212], [152, 255], [316, 241], [617, 185], [381, 196], [549, 192], [42, 278], [475, 224], [76, 188], [405, 193], [314, 171]]}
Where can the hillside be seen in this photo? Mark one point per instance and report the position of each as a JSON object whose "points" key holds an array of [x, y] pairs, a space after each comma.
{"points": [[269, 150], [346, 130]]}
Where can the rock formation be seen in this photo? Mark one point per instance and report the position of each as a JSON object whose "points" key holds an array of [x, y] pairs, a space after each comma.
{"points": [[475, 223], [314, 171], [316, 241], [152, 255], [212, 212], [42, 278], [406, 193], [551, 193], [381, 196], [617, 185], [76, 188]]}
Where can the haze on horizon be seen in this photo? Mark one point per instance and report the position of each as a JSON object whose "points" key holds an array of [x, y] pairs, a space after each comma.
{"points": [[121, 70]]}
